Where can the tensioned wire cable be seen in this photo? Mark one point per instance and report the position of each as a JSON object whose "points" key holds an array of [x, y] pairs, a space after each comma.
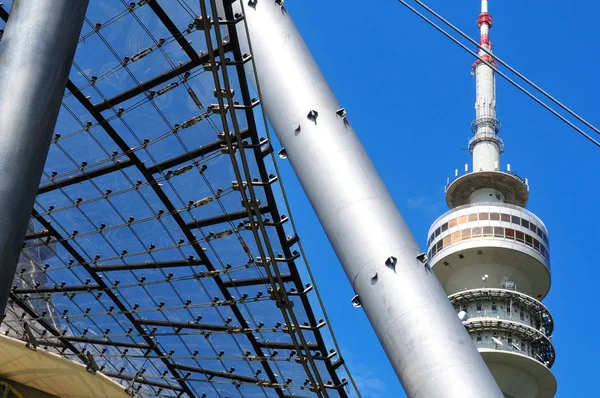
{"points": [[507, 66], [503, 75]]}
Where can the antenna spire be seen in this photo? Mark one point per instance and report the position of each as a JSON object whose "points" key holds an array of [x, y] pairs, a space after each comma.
{"points": [[485, 146]]}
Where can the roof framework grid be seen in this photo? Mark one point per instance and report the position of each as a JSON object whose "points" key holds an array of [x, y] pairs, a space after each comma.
{"points": [[160, 249]]}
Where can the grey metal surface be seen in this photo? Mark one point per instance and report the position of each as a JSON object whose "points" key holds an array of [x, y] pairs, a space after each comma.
{"points": [[36, 52], [428, 347]]}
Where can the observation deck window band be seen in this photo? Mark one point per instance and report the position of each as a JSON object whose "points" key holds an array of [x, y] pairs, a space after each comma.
{"points": [[486, 233], [473, 217]]}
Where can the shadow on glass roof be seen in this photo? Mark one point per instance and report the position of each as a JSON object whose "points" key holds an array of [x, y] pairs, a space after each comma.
{"points": [[160, 251]]}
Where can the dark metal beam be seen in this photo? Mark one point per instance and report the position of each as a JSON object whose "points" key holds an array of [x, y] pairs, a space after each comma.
{"points": [[176, 33], [86, 175], [215, 373], [157, 265], [254, 281], [191, 155], [287, 346], [188, 325], [38, 235], [206, 222], [57, 289]]}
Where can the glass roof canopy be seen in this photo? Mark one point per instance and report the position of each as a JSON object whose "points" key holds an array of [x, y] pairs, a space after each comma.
{"points": [[160, 250]]}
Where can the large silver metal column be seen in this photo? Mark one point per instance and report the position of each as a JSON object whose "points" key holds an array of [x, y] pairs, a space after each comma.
{"points": [[36, 53], [426, 343]]}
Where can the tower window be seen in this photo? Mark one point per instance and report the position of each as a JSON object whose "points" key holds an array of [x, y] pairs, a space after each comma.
{"points": [[473, 217], [520, 236], [522, 316], [516, 220], [495, 216], [505, 217], [484, 216]]}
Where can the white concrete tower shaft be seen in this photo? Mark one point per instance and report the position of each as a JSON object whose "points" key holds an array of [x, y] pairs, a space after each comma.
{"points": [[492, 256], [485, 146]]}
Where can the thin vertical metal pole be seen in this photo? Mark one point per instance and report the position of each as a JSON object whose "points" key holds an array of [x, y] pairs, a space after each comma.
{"points": [[36, 53], [429, 348]]}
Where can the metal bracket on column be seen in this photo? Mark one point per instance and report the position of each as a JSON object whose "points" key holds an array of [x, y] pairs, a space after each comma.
{"points": [[272, 179], [92, 367], [279, 223], [294, 292], [31, 341], [312, 116], [356, 302]]}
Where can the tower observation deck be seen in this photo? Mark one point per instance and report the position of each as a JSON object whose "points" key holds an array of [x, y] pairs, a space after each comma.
{"points": [[492, 256]]}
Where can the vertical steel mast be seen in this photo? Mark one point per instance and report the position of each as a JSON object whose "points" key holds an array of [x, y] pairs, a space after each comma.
{"points": [[36, 53], [426, 343]]}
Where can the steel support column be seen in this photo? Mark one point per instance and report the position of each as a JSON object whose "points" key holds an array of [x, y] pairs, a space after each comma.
{"points": [[426, 343], [36, 53]]}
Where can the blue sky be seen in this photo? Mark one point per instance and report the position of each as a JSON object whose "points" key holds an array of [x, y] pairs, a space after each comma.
{"points": [[410, 96]]}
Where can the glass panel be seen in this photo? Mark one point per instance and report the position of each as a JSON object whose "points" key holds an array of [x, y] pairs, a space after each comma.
{"points": [[510, 233], [476, 232], [488, 231], [516, 220], [462, 220], [452, 223], [466, 234], [528, 240], [495, 216], [505, 217], [440, 245], [533, 227], [444, 227], [520, 236], [437, 232], [536, 244], [525, 223], [446, 241], [499, 232], [473, 217], [484, 216], [455, 237]]}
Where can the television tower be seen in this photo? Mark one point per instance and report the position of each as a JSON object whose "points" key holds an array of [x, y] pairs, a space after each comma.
{"points": [[492, 256]]}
